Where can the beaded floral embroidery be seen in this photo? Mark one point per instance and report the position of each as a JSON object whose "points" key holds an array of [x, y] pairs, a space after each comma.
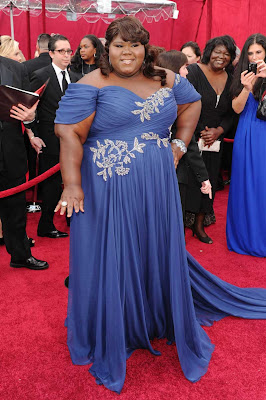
{"points": [[116, 155], [150, 105], [177, 79], [155, 136]]}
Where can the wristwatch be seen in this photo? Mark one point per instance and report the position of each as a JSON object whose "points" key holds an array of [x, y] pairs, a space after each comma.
{"points": [[29, 124]]}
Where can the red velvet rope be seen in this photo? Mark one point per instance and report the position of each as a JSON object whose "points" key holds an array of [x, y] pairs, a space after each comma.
{"points": [[32, 182], [228, 140]]}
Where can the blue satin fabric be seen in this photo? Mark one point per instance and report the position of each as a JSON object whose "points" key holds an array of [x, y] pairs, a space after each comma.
{"points": [[246, 216], [131, 278]]}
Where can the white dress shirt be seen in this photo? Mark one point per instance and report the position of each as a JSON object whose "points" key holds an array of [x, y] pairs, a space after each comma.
{"points": [[59, 75]]}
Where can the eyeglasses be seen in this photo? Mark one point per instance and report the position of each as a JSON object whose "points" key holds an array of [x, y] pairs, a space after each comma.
{"points": [[63, 51]]}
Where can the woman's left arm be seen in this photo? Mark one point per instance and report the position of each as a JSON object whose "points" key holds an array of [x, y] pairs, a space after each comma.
{"points": [[187, 119]]}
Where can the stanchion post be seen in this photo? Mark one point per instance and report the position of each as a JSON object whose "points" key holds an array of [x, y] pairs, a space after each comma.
{"points": [[32, 208]]}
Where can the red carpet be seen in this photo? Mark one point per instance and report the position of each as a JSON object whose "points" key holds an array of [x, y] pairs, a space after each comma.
{"points": [[34, 359]]}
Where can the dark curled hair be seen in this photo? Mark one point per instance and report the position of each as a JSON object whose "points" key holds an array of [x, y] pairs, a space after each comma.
{"points": [[76, 60], [131, 30], [242, 65], [226, 41], [194, 46], [172, 60]]}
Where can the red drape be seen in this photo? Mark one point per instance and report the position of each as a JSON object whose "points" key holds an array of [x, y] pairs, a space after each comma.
{"points": [[198, 19]]}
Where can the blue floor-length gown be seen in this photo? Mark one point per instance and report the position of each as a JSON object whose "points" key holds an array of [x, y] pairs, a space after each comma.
{"points": [[131, 278], [246, 215]]}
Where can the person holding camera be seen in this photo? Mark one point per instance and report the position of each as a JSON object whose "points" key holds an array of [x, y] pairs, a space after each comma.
{"points": [[246, 217]]}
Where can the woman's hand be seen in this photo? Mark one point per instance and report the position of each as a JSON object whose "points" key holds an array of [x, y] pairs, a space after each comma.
{"points": [[206, 188], [209, 135], [248, 80], [37, 143], [177, 153], [23, 113], [261, 69], [72, 198]]}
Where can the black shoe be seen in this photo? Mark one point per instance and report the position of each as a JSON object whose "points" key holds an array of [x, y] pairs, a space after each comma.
{"points": [[54, 234], [31, 263], [203, 239]]}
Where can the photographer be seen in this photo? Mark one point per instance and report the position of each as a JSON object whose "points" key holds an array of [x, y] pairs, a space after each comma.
{"points": [[246, 218]]}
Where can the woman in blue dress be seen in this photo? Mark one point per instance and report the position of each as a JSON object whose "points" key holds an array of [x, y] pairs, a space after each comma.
{"points": [[131, 278], [246, 216]]}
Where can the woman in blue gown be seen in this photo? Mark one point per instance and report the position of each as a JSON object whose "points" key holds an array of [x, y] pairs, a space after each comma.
{"points": [[246, 216], [131, 278]]}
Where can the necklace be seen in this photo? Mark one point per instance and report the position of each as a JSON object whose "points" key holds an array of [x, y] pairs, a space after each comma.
{"points": [[82, 68]]}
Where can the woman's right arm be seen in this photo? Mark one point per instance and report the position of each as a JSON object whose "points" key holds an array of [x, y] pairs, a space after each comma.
{"points": [[72, 138], [239, 102]]}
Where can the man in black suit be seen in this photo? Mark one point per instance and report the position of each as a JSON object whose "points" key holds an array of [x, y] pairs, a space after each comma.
{"points": [[13, 167], [60, 52], [43, 60]]}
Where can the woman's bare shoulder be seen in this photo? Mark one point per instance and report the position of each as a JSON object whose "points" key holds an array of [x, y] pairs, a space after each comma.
{"points": [[94, 78]]}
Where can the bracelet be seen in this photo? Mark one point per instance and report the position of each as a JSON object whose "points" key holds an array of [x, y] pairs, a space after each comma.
{"points": [[181, 144], [32, 137]]}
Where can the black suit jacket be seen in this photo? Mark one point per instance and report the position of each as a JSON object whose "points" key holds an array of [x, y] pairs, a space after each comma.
{"points": [[48, 105], [36, 63], [13, 159]]}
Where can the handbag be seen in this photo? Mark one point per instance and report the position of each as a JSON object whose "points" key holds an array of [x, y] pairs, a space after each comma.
{"points": [[215, 147], [261, 111]]}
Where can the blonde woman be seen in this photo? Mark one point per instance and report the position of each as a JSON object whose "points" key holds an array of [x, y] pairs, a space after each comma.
{"points": [[9, 48]]}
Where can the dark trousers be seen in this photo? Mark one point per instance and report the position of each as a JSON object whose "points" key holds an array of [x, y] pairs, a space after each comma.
{"points": [[32, 157], [13, 216], [51, 190]]}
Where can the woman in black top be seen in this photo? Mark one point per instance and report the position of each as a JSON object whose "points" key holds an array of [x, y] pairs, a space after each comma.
{"points": [[87, 56], [211, 79]]}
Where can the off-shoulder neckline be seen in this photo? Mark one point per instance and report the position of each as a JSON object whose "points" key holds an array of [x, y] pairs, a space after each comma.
{"points": [[121, 87]]}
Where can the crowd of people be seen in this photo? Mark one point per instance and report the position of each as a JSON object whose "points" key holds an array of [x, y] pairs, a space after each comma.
{"points": [[106, 113]]}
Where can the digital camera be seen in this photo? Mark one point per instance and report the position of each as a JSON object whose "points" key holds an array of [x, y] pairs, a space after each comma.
{"points": [[252, 67]]}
